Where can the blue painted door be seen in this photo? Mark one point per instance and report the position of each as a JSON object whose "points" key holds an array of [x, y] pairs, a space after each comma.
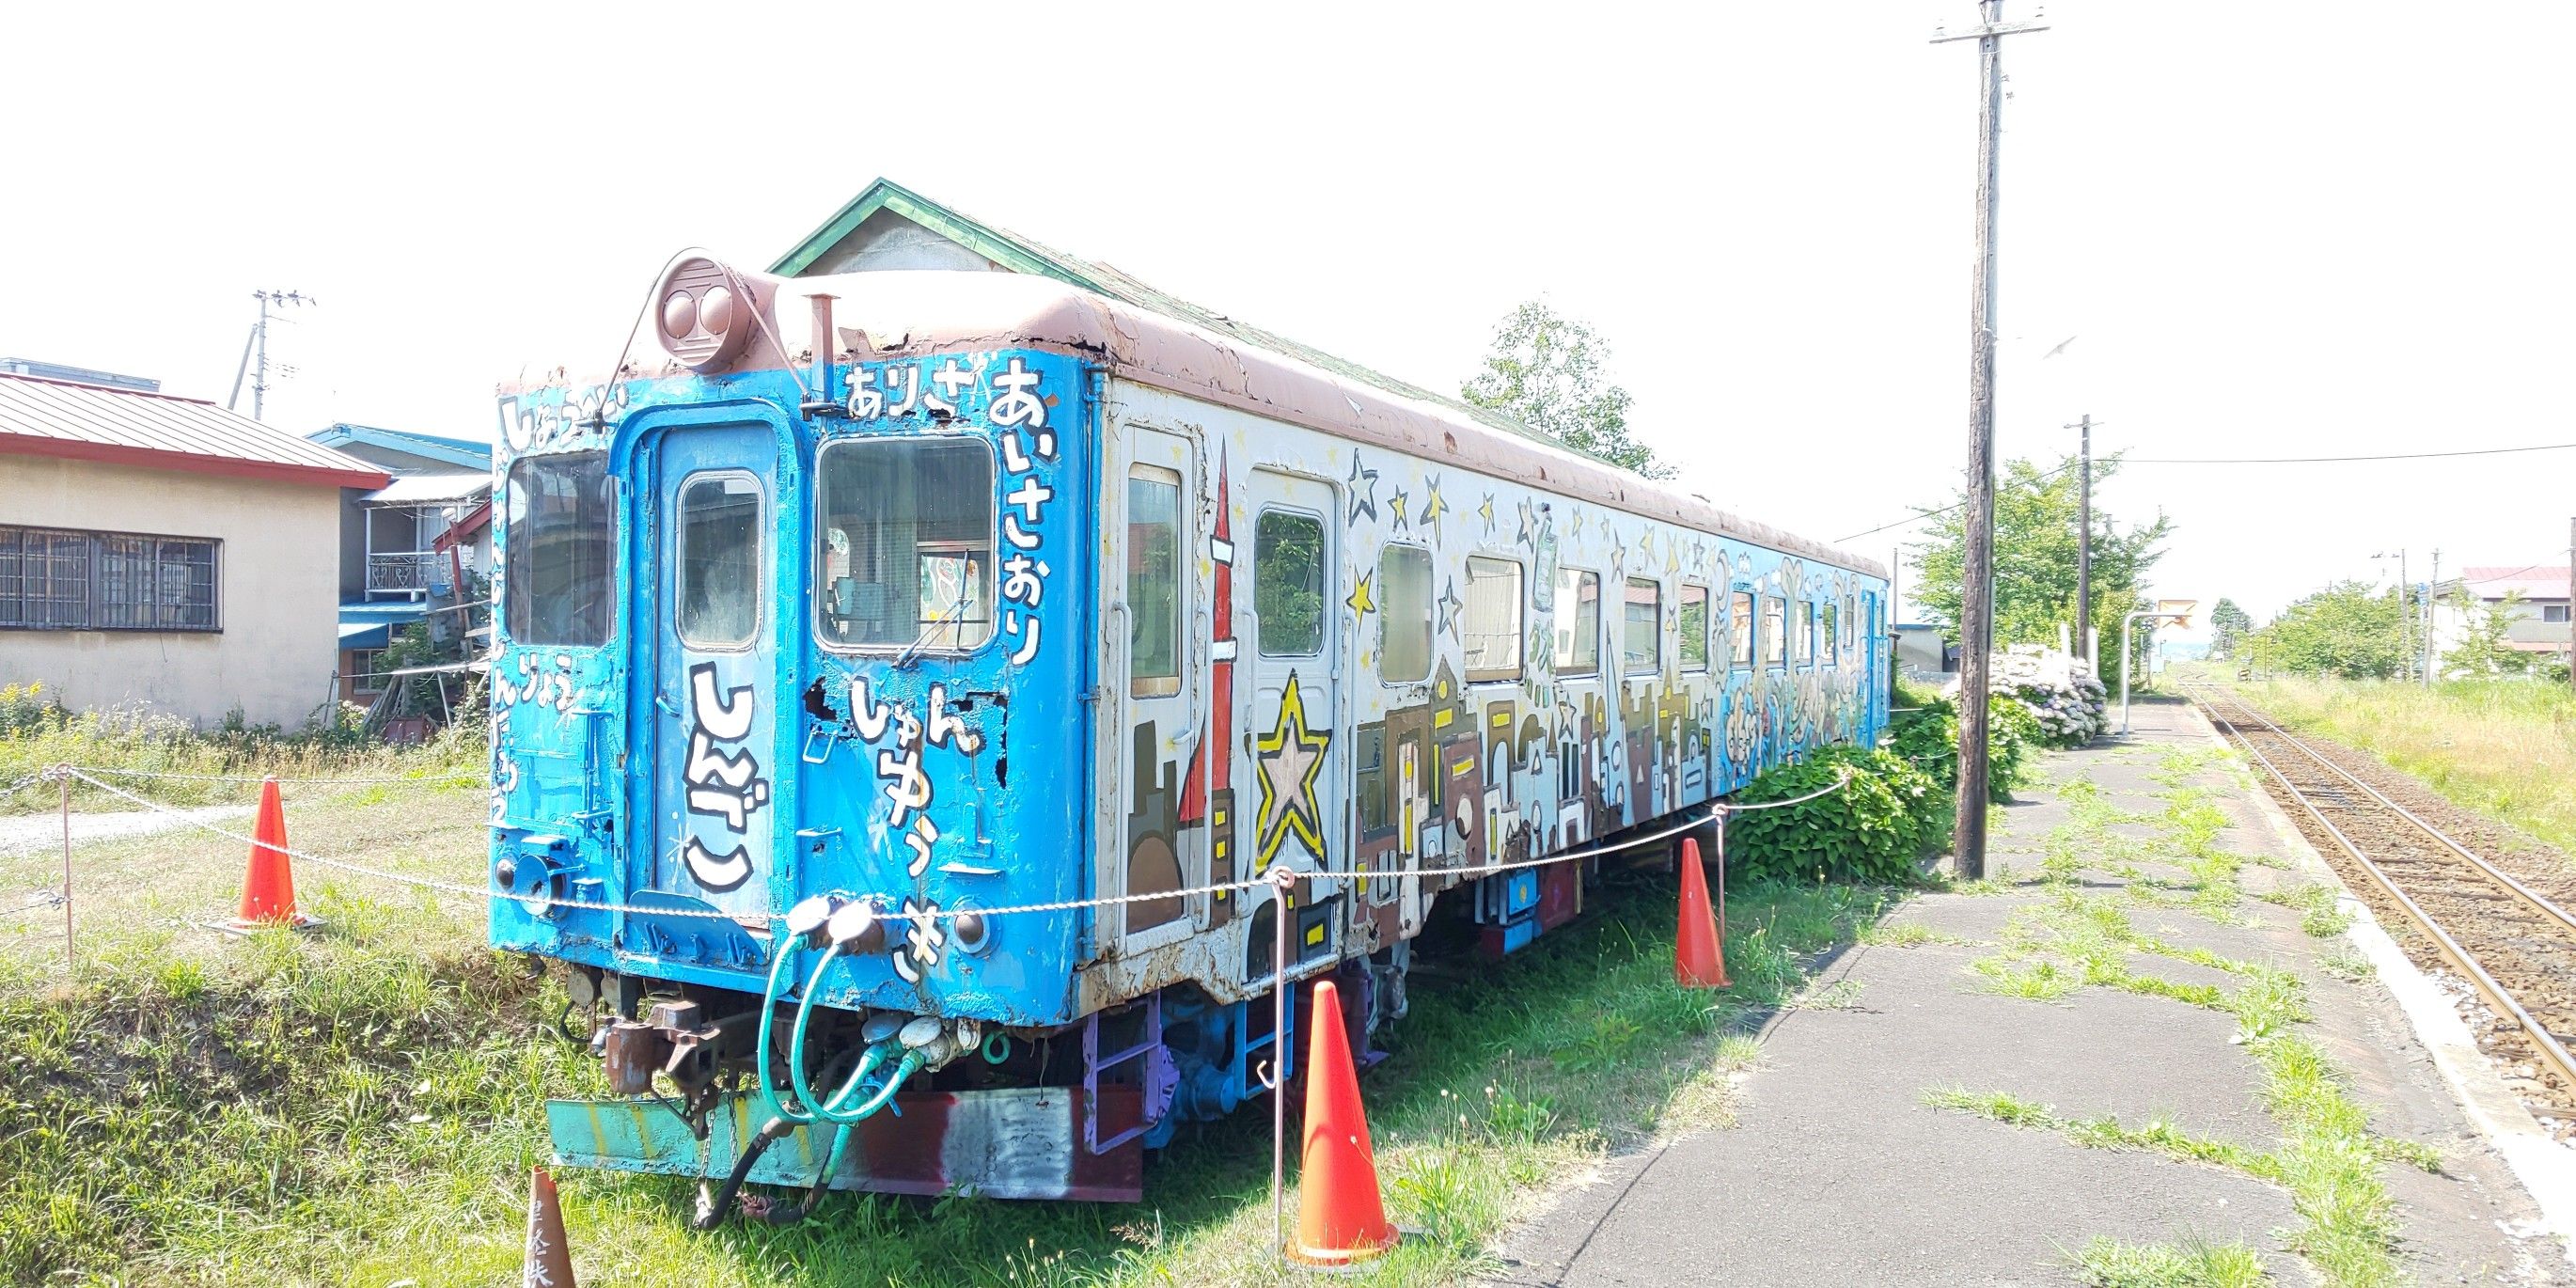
{"points": [[713, 581]]}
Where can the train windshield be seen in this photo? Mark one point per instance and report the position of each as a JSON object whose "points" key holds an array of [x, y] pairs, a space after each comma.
{"points": [[557, 535], [905, 530]]}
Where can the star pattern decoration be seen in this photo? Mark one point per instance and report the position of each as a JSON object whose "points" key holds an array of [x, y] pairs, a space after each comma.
{"points": [[1291, 756], [1577, 526], [1449, 606], [1529, 525], [1433, 508], [1395, 506], [1363, 490], [1363, 600], [1487, 511]]}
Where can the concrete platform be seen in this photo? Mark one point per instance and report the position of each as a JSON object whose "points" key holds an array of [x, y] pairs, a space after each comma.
{"points": [[1837, 1172]]}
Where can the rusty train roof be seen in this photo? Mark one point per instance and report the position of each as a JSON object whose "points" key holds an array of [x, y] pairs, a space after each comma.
{"points": [[909, 313]]}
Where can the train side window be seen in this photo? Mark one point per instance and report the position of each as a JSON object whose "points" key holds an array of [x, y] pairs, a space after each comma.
{"points": [[1851, 624], [1802, 620], [1740, 634], [1691, 620], [1641, 638], [904, 528], [718, 583], [1578, 622], [1833, 630], [1153, 581], [1493, 625], [1403, 614], [557, 534], [1775, 632], [1288, 582]]}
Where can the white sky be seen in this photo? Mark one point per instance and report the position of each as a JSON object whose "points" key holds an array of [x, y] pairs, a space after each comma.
{"points": [[2271, 229]]}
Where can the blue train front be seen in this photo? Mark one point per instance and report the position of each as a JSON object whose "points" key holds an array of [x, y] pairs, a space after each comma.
{"points": [[872, 603]]}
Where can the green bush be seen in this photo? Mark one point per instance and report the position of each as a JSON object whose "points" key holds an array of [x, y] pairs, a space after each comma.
{"points": [[1872, 830], [1928, 739]]}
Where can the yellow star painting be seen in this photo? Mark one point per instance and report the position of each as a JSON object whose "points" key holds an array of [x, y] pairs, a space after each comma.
{"points": [[1291, 757]]}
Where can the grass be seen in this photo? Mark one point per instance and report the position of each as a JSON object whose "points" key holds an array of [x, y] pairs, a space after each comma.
{"points": [[2193, 1263], [361, 1105], [2505, 749]]}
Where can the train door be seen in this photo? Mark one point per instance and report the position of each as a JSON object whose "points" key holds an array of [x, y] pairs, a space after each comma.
{"points": [[1298, 763], [712, 652], [1163, 836]]}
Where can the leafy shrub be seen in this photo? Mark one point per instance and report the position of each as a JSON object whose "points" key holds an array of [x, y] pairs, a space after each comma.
{"points": [[1928, 739], [1872, 830]]}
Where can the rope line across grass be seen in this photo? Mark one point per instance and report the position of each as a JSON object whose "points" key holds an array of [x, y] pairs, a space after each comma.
{"points": [[1715, 813]]}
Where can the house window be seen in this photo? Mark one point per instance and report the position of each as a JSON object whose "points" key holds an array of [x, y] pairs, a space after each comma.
{"points": [[2553, 612], [1740, 634], [1404, 614], [1692, 621], [1641, 637], [556, 533], [54, 580], [1578, 622], [1493, 627], [906, 533], [366, 672]]}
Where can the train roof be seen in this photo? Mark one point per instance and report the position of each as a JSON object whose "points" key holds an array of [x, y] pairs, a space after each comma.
{"points": [[896, 313]]}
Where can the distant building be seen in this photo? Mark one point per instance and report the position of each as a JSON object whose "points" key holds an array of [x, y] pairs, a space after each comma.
{"points": [[162, 550], [2540, 623], [407, 549], [1922, 653]]}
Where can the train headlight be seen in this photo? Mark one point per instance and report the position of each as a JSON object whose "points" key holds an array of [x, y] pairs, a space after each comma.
{"points": [[703, 318]]}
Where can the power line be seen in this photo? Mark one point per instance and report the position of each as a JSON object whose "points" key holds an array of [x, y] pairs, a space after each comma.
{"points": [[1934, 514], [2324, 460]]}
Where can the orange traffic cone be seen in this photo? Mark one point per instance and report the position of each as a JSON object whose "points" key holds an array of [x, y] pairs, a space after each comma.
{"points": [[549, 1263], [268, 889], [1340, 1220], [1699, 954]]}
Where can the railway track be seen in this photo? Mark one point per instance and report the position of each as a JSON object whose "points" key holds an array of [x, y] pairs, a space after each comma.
{"points": [[2511, 943]]}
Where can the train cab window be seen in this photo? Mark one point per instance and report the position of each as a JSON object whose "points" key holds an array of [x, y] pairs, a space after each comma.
{"points": [[1153, 581], [1578, 622], [1740, 633], [904, 529], [1833, 645], [1288, 582], [1493, 626], [1403, 614], [1691, 622], [1641, 634], [716, 604], [1775, 632], [557, 534]]}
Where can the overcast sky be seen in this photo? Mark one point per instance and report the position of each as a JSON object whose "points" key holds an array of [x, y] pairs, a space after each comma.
{"points": [[2266, 229]]}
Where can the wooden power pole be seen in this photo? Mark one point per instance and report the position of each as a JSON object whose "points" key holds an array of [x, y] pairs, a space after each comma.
{"points": [[2571, 601], [1977, 578]]}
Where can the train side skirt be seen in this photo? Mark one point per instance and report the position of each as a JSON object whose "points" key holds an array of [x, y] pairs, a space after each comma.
{"points": [[1009, 1143]]}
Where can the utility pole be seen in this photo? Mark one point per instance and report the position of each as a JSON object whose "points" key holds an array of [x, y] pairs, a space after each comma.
{"points": [[257, 348], [2424, 614], [1977, 580], [2084, 541], [2571, 600]]}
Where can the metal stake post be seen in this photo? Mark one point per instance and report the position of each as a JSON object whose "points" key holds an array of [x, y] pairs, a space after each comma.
{"points": [[70, 959], [1286, 880]]}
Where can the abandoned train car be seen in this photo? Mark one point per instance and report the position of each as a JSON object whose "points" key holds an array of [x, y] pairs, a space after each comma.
{"points": [[878, 601]]}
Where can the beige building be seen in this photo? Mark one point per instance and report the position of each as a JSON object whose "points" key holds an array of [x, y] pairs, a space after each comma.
{"points": [[161, 551]]}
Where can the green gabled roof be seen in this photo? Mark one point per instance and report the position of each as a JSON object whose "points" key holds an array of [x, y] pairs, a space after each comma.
{"points": [[1022, 255]]}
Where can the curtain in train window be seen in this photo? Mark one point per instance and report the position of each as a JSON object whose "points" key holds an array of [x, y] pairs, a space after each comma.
{"points": [[555, 529], [1691, 621], [1493, 626], [1775, 632], [1153, 581], [1641, 634], [1403, 614], [1288, 582], [718, 591], [1740, 633], [905, 527], [1578, 622]]}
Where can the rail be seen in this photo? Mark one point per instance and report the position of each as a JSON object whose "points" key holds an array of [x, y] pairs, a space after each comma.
{"points": [[2546, 1044]]}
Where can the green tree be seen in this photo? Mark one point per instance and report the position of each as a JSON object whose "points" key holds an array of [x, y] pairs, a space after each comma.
{"points": [[2228, 626], [2035, 557], [1551, 374], [2347, 629], [2485, 646]]}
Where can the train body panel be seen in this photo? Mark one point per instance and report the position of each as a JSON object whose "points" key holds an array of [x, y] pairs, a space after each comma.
{"points": [[1012, 598]]}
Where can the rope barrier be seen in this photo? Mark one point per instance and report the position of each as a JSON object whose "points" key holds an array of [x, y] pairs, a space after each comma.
{"points": [[1714, 813], [453, 774]]}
